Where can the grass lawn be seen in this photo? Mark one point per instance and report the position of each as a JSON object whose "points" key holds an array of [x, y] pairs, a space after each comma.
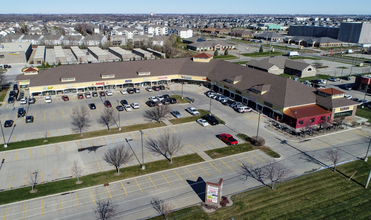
{"points": [[265, 149], [95, 179], [364, 113], [189, 118], [264, 54], [3, 93], [225, 57], [241, 62], [343, 67], [229, 150], [321, 195], [71, 137], [179, 99]]}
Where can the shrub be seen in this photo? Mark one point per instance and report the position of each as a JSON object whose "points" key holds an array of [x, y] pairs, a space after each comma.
{"points": [[226, 52], [223, 203], [216, 53], [257, 141]]}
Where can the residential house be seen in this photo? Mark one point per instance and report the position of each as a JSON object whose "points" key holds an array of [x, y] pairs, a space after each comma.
{"points": [[52, 39], [181, 32], [94, 40]]}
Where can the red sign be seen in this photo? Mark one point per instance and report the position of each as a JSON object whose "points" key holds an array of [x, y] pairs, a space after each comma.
{"points": [[99, 84]]}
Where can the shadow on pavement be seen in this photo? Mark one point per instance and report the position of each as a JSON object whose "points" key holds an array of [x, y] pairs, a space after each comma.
{"points": [[90, 149], [199, 187]]}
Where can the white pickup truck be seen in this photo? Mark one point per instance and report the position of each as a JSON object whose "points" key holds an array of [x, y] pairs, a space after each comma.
{"points": [[292, 53]]}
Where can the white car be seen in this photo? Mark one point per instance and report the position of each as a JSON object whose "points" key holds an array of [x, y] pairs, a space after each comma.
{"points": [[348, 96], [134, 105], [128, 108], [109, 93], [124, 91], [23, 101], [233, 105], [202, 122], [160, 97], [88, 95], [153, 98], [48, 99], [149, 89], [192, 111]]}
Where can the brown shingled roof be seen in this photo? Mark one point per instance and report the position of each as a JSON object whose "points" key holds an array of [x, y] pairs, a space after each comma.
{"points": [[306, 111], [332, 91], [203, 55], [30, 69]]}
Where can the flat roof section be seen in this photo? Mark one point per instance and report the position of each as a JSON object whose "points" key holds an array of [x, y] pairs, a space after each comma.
{"points": [[40, 52], [119, 50], [14, 47], [97, 51], [59, 51], [77, 51], [142, 51]]}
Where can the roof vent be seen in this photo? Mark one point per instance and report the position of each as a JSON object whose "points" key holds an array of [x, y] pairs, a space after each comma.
{"points": [[20, 46]]}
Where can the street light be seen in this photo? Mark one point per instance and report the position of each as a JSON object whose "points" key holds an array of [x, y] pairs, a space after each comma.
{"points": [[118, 112], [182, 87], [257, 130], [143, 166], [2, 131], [210, 98], [368, 148]]}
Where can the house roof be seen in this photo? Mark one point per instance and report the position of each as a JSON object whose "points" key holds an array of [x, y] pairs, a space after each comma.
{"points": [[306, 111], [296, 64], [269, 62], [30, 69], [203, 55], [331, 91], [329, 103]]}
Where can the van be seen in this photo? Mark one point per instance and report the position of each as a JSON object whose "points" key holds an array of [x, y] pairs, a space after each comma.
{"points": [[15, 86]]}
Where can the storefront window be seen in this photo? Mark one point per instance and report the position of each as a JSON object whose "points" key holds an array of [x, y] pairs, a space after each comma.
{"points": [[110, 87], [70, 91], [301, 122], [343, 114], [92, 88]]}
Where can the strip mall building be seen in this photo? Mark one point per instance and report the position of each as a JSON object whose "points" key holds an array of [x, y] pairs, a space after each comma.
{"points": [[291, 102]]}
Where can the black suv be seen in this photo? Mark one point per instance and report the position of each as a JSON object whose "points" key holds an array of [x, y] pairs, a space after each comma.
{"points": [[8, 123], [162, 87], [124, 102], [151, 103], [11, 100], [31, 100], [211, 119], [166, 96], [130, 91], [29, 119], [173, 100], [21, 112]]}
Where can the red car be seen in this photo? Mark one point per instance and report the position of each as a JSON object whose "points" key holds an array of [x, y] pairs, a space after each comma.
{"points": [[80, 96], [228, 139], [65, 98], [107, 104]]}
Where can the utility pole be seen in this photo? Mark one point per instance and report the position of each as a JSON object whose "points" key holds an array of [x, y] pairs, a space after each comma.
{"points": [[210, 98], [368, 148], [143, 166], [257, 130], [118, 112], [368, 179], [2, 131], [182, 87]]}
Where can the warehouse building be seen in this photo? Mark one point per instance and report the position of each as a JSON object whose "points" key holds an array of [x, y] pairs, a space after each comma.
{"points": [[78, 54], [98, 53], [355, 32], [142, 53], [59, 54], [121, 53], [15, 52], [314, 31], [39, 57]]}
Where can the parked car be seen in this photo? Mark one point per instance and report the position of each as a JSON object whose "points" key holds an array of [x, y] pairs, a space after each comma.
{"points": [[192, 111], [134, 105], [124, 91], [31, 100], [176, 114], [149, 89], [235, 104], [153, 98], [166, 96], [29, 119], [228, 139], [124, 102], [23, 101], [130, 90], [80, 96], [243, 109], [159, 103], [87, 95], [202, 122], [156, 88], [21, 112], [211, 119], [151, 103], [333, 79], [108, 104], [137, 90], [355, 99], [102, 94], [11, 100], [65, 98], [120, 108], [12, 94], [173, 100], [92, 106], [109, 93], [48, 99], [8, 123], [162, 87], [128, 108], [95, 94], [166, 101], [348, 87], [160, 97], [347, 96], [347, 78]]}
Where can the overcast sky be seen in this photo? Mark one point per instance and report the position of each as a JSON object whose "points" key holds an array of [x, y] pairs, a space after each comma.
{"points": [[188, 6]]}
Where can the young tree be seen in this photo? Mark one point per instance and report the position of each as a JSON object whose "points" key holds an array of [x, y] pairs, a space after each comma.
{"points": [[166, 145], [105, 210], [252, 171], [334, 156], [162, 208], [107, 117], [275, 172], [117, 156], [158, 113], [261, 50], [77, 171], [33, 179], [80, 119], [226, 52], [216, 53]]}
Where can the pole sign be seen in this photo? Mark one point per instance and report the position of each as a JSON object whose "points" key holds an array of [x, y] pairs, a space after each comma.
{"points": [[213, 192]]}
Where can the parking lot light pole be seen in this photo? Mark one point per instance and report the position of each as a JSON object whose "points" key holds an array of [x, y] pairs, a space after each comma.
{"points": [[210, 99], [118, 112], [368, 148], [2, 131], [182, 87], [143, 166], [257, 130]]}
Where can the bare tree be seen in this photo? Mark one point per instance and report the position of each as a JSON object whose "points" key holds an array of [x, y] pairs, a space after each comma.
{"points": [[158, 113], [105, 210], [166, 145], [80, 119], [252, 171], [334, 156], [77, 171], [276, 172], [162, 208], [33, 179], [117, 156], [107, 117]]}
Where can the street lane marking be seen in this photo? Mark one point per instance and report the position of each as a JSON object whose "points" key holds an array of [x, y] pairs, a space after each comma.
{"points": [[202, 145], [30, 152], [152, 182], [102, 141], [138, 184], [92, 195], [183, 151], [145, 136], [25, 137], [165, 178], [162, 130], [313, 145], [172, 129], [90, 113], [1, 140], [14, 137], [134, 136], [190, 127], [123, 136], [108, 192], [42, 176], [154, 132], [60, 205], [37, 135], [42, 208], [129, 122], [215, 167], [78, 142], [57, 172], [226, 164], [67, 146], [247, 159], [181, 128], [178, 175], [202, 169], [71, 172], [3, 155], [113, 139], [99, 166], [123, 188], [16, 155], [91, 143], [191, 173], [192, 148], [6, 208], [24, 209], [257, 157], [11, 180], [77, 201], [137, 120], [85, 169], [212, 144], [236, 161], [71, 111], [149, 156]]}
